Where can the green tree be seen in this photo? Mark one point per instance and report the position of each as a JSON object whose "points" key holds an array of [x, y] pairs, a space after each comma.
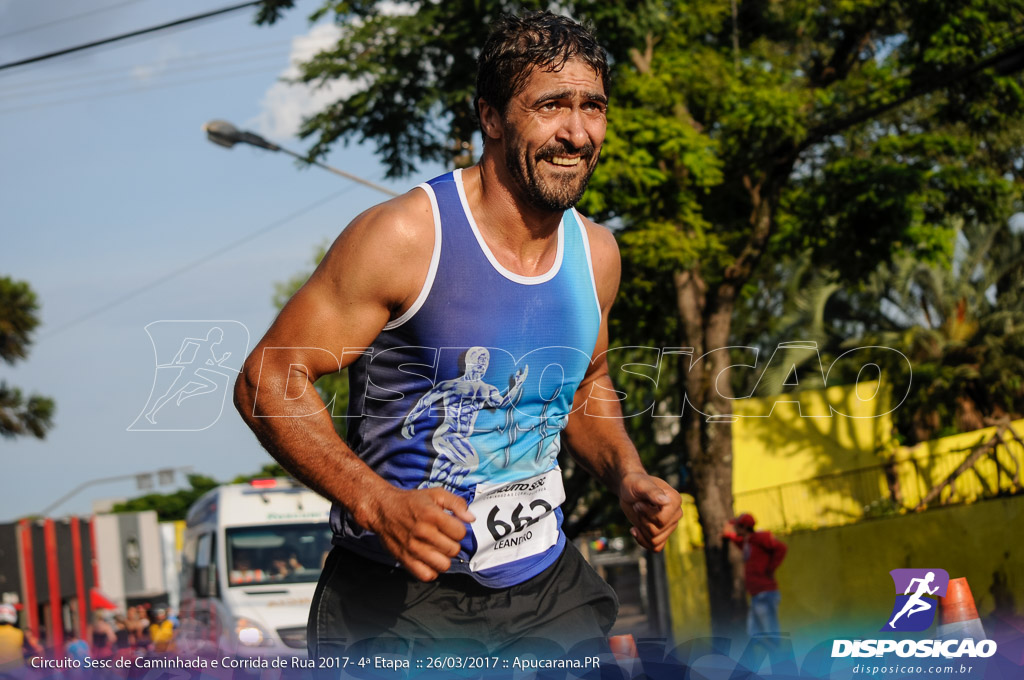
{"points": [[174, 506], [964, 339], [959, 320], [270, 470], [741, 133], [745, 134], [18, 318], [170, 506]]}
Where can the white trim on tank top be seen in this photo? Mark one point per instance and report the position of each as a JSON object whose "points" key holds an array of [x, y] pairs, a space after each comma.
{"points": [[511, 276], [590, 260], [435, 258]]}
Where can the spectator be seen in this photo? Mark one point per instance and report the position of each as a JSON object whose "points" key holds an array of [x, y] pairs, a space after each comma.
{"points": [[762, 555], [161, 632], [124, 639], [15, 644], [103, 636]]}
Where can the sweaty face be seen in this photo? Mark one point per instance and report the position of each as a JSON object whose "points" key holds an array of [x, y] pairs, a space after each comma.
{"points": [[553, 131]]}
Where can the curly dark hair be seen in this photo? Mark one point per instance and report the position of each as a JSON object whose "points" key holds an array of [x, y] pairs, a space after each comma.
{"points": [[518, 44]]}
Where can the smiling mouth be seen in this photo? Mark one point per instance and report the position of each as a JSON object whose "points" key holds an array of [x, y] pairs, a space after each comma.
{"points": [[565, 161]]}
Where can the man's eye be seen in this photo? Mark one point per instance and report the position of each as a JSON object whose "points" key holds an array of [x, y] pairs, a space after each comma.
{"points": [[548, 106]]}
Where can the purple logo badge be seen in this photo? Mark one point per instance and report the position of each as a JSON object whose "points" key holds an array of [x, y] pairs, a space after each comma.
{"points": [[916, 593]]}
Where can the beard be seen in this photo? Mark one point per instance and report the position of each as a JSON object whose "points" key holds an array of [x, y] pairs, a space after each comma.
{"points": [[554, 194]]}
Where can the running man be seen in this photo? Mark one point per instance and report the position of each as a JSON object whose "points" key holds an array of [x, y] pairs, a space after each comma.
{"points": [[916, 604], [489, 256]]}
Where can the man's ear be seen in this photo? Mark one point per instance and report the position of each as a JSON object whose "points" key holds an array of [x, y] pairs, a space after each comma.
{"points": [[490, 119]]}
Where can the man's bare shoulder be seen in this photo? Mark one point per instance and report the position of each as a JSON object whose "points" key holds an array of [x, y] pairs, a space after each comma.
{"points": [[404, 224], [386, 249], [604, 252]]}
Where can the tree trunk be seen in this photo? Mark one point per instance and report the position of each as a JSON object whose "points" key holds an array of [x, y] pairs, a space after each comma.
{"points": [[707, 324], [724, 565], [708, 445]]}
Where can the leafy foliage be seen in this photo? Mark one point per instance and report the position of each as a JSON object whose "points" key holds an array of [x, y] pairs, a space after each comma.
{"points": [[964, 338], [170, 506], [18, 319], [746, 139], [268, 471], [174, 506]]}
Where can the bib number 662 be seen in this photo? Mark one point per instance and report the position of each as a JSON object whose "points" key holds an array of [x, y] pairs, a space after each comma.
{"points": [[519, 520]]}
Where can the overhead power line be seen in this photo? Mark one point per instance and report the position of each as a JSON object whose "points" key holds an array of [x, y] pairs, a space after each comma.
{"points": [[132, 34], [63, 20], [142, 78], [143, 83], [135, 90], [267, 50], [193, 264]]}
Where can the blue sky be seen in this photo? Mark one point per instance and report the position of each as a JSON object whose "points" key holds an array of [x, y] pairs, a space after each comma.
{"points": [[108, 184]]}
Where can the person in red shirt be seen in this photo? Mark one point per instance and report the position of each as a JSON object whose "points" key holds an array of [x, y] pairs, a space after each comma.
{"points": [[762, 555]]}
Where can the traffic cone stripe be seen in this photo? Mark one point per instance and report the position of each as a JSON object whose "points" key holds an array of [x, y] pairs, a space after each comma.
{"points": [[958, 604], [958, 615]]}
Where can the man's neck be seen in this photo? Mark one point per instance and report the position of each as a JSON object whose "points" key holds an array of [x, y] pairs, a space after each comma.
{"points": [[522, 237]]}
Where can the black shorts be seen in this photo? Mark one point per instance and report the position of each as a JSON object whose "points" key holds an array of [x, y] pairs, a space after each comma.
{"points": [[567, 607]]}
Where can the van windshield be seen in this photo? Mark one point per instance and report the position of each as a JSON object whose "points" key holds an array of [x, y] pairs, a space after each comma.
{"points": [[280, 553]]}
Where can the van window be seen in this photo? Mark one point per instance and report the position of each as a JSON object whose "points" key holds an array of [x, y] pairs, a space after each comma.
{"points": [[278, 553], [206, 567]]}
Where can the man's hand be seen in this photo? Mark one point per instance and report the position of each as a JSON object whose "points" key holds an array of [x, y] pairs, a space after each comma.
{"points": [[652, 506], [421, 528]]}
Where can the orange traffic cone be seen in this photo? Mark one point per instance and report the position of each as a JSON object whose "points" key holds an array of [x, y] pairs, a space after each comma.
{"points": [[958, 616], [624, 649]]}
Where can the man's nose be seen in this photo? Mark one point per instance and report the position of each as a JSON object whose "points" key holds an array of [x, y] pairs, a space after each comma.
{"points": [[573, 129]]}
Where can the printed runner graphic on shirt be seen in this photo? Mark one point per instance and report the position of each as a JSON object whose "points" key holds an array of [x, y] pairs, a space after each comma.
{"points": [[462, 400]]}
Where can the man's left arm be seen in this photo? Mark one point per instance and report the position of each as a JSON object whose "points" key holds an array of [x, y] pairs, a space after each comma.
{"points": [[596, 433]]}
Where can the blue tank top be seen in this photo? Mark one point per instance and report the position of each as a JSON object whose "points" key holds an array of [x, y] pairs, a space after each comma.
{"points": [[469, 389]]}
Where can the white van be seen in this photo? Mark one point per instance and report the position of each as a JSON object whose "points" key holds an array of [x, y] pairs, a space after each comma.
{"points": [[250, 562]]}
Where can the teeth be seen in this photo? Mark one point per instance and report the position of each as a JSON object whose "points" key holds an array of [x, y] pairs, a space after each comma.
{"points": [[562, 160]]}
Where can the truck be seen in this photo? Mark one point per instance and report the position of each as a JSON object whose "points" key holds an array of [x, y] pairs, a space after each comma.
{"points": [[251, 558]]}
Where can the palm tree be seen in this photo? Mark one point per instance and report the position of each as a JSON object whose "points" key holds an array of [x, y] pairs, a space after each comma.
{"points": [[20, 415]]}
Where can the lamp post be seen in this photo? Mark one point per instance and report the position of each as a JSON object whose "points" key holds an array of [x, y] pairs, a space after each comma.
{"points": [[143, 482], [225, 134]]}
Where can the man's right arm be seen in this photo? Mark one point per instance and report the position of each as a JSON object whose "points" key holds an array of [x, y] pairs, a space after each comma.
{"points": [[372, 273], [731, 535]]}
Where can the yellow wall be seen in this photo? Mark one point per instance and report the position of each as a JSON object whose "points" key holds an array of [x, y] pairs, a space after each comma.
{"points": [[790, 437], [839, 576], [928, 464], [774, 444], [797, 472]]}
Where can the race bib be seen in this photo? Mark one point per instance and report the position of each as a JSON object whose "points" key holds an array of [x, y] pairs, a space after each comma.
{"points": [[515, 519]]}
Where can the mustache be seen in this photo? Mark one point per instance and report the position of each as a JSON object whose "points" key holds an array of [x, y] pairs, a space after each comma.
{"points": [[548, 152]]}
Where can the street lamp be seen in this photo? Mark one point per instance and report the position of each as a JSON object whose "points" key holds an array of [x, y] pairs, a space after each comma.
{"points": [[225, 134], [143, 481]]}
